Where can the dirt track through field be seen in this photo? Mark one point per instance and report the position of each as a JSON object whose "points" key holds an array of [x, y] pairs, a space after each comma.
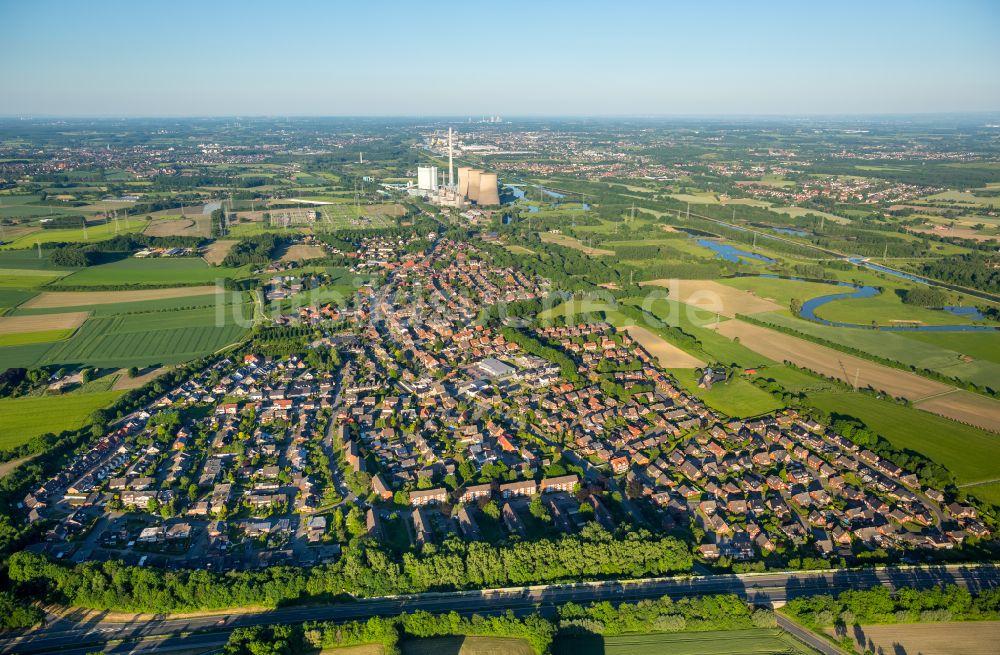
{"points": [[51, 299], [941, 399], [67, 321], [669, 355], [715, 297]]}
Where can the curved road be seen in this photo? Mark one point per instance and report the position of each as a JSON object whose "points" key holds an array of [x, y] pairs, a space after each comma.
{"points": [[170, 632]]}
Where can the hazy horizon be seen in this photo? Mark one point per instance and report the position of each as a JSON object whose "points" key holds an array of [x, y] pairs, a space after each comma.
{"points": [[187, 59]]}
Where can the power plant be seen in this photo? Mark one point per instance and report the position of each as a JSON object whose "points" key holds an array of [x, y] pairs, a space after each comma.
{"points": [[473, 184]]}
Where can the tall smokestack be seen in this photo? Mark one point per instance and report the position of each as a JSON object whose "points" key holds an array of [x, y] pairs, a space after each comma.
{"points": [[451, 179]]}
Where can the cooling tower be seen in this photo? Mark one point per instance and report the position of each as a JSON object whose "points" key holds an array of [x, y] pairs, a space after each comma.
{"points": [[463, 180], [488, 189], [474, 184]]}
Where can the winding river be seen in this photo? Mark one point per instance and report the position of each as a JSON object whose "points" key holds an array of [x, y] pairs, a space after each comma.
{"points": [[810, 306]]}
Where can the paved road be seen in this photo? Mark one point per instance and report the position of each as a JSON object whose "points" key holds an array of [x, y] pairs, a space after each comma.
{"points": [[808, 637], [762, 588]]}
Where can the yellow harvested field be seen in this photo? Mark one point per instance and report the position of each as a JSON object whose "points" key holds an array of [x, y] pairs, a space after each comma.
{"points": [[124, 382], [65, 321], [669, 355], [783, 347], [715, 297], [217, 251], [953, 638], [966, 407], [51, 299], [303, 251]]}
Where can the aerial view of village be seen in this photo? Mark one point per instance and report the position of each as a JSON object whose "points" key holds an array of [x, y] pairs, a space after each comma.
{"points": [[481, 384]]}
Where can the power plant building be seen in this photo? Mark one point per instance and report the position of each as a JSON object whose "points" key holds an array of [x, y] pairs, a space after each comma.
{"points": [[488, 194], [427, 178], [473, 193]]}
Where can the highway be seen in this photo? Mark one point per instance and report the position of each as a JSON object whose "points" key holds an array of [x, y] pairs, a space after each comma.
{"points": [[84, 635]]}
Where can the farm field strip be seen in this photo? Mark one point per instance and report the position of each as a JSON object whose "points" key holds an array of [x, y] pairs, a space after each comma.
{"points": [[966, 407], [50, 299], [39, 336], [669, 355], [781, 347], [63, 321], [951, 638], [954, 354], [713, 296], [154, 271]]}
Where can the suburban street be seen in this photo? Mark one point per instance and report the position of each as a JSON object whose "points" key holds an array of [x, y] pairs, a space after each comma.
{"points": [[773, 589]]}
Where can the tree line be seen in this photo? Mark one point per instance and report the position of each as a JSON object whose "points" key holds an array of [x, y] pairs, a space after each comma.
{"points": [[364, 570]]}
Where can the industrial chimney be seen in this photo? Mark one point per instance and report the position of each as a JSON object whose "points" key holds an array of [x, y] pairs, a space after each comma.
{"points": [[451, 180]]}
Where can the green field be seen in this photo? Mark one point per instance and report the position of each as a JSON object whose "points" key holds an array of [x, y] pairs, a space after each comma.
{"points": [[19, 278], [21, 419], [969, 453], [986, 492], [39, 336], [13, 297], [158, 271], [781, 291], [145, 339], [139, 339], [737, 397], [28, 260], [93, 234], [885, 308], [758, 641]]}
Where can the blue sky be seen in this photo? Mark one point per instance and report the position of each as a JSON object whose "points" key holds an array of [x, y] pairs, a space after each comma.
{"points": [[433, 57]]}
